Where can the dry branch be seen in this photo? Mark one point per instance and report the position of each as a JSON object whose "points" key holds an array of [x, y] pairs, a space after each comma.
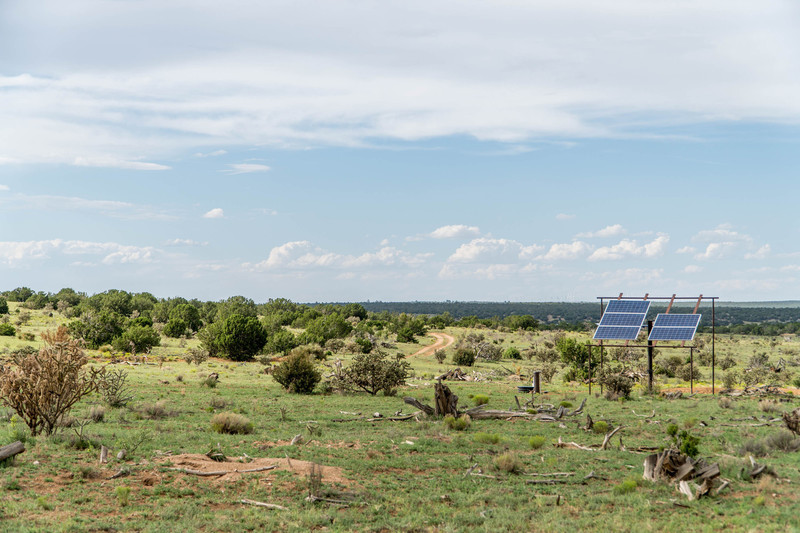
{"points": [[222, 472], [608, 436], [265, 505]]}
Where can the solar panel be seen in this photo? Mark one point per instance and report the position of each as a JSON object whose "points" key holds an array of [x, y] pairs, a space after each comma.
{"points": [[681, 327], [622, 320], [628, 306], [616, 333]]}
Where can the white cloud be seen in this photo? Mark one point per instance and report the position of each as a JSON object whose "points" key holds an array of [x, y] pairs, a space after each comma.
{"points": [[246, 168], [113, 162], [17, 253], [4, 187], [564, 216], [486, 249], [215, 153], [454, 231], [761, 253], [630, 248], [566, 251], [303, 255], [348, 73], [608, 231], [692, 269], [686, 250], [217, 212], [110, 208], [184, 242]]}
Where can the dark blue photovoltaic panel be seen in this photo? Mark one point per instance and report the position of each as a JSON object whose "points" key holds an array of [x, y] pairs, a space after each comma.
{"points": [[677, 321], [622, 319], [680, 327], [616, 333], [628, 306], [672, 334]]}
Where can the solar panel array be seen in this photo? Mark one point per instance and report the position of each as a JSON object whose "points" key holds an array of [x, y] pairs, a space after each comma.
{"points": [[622, 320], [680, 327]]}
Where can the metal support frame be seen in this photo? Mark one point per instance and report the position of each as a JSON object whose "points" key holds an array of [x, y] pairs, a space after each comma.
{"points": [[650, 344]]}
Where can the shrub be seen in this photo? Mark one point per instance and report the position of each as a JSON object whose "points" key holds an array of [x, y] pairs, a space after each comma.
{"points": [[487, 438], [512, 352], [42, 387], [155, 411], [196, 356], [464, 357], [617, 385], [688, 443], [685, 372], [753, 447], [7, 330], [536, 442], [372, 373], [726, 363], [627, 486], [725, 403], [769, 406], [440, 356], [97, 413], [600, 427], [210, 381], [297, 374], [137, 339], [783, 441], [508, 462], [565, 404], [3, 306], [218, 403], [457, 424], [480, 399], [175, 328], [730, 379], [312, 351], [231, 424], [113, 388], [241, 337], [123, 495]]}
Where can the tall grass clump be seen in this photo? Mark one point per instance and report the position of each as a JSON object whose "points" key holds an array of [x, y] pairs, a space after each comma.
{"points": [[231, 424]]}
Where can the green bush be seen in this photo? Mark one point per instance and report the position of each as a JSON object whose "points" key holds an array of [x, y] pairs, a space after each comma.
{"points": [[372, 373], [480, 399], [508, 462], [137, 339], [297, 374], [464, 357], [241, 337], [512, 352], [487, 438], [536, 442], [7, 330], [565, 404], [627, 486], [175, 328], [3, 306], [600, 427], [231, 424], [457, 424]]}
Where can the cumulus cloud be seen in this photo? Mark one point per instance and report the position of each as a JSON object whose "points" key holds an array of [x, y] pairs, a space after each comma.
{"points": [[185, 242], [454, 231], [17, 253], [564, 216], [215, 153], [761, 253], [488, 249], [246, 168], [4, 187], [217, 212], [303, 255], [608, 231], [566, 251], [630, 248], [692, 269]]}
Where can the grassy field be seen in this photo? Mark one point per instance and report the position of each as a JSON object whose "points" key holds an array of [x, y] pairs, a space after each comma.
{"points": [[391, 475]]}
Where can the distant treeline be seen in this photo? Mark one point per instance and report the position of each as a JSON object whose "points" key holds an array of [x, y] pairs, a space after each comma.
{"points": [[729, 317]]}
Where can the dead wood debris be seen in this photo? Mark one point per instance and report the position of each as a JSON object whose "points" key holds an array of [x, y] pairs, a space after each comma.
{"points": [[674, 467], [265, 505]]}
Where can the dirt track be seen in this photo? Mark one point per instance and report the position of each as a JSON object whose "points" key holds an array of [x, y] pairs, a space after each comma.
{"points": [[443, 340]]}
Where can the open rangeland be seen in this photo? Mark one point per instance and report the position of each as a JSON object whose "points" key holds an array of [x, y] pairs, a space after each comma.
{"points": [[334, 462]]}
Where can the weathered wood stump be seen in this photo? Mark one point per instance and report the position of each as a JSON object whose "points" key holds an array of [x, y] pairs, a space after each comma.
{"points": [[444, 401]]}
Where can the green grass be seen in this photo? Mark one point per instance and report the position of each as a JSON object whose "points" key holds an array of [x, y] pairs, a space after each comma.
{"points": [[395, 485]]}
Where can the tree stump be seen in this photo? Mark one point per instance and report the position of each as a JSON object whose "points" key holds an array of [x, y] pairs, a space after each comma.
{"points": [[445, 402]]}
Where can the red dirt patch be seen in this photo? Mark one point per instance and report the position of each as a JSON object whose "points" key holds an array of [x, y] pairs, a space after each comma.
{"points": [[233, 469]]}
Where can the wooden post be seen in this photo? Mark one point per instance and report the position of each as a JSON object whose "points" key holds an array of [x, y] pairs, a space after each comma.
{"points": [[536, 382], [590, 370], [649, 357], [691, 370]]}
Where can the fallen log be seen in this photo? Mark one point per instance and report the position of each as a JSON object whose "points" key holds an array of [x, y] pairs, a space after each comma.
{"points": [[427, 409], [11, 450], [222, 472]]}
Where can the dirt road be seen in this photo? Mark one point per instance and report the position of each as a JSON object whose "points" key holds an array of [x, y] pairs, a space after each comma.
{"points": [[443, 340]]}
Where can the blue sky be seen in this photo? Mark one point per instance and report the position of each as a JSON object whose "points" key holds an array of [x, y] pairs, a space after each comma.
{"points": [[388, 150]]}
